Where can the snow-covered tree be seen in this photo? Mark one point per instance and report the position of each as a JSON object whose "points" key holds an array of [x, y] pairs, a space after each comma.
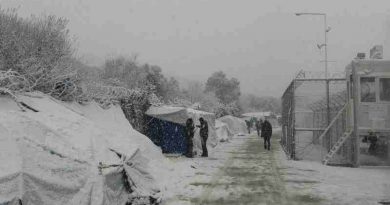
{"points": [[226, 90], [40, 50]]}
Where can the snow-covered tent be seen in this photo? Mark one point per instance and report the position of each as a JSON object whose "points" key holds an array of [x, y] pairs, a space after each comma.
{"points": [[222, 131], [235, 125], [73, 154], [166, 127]]}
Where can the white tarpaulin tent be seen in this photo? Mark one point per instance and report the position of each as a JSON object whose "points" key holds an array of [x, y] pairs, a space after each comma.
{"points": [[235, 125], [73, 154], [222, 131]]}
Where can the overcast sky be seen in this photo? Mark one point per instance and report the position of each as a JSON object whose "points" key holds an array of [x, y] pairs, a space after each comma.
{"points": [[262, 43]]}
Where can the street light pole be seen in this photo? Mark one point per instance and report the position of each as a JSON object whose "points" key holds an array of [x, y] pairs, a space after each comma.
{"points": [[326, 78], [326, 47], [326, 30]]}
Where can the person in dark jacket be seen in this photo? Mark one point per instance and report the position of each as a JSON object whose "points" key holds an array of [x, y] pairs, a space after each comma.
{"points": [[190, 131], [204, 134], [266, 133], [373, 139], [258, 126], [248, 126]]}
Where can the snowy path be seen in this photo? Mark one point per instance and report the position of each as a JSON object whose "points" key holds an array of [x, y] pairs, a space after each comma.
{"points": [[248, 174]]}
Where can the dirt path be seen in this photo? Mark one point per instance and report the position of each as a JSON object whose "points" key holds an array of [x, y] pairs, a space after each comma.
{"points": [[251, 175]]}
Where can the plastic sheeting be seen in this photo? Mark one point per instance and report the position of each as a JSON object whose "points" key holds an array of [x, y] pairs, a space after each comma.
{"points": [[235, 125], [168, 135], [52, 156], [222, 131]]}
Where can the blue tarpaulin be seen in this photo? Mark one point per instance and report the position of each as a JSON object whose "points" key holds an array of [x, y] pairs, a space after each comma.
{"points": [[166, 128], [167, 135]]}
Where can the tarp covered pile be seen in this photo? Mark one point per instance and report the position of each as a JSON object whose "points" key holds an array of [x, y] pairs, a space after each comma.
{"points": [[73, 154]]}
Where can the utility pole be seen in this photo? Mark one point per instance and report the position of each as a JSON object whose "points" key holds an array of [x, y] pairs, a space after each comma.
{"points": [[326, 30]]}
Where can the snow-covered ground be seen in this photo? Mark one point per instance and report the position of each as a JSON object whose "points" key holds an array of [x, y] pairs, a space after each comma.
{"points": [[191, 173], [242, 172], [339, 185], [58, 149]]}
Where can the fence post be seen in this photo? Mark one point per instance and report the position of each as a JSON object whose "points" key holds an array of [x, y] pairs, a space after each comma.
{"points": [[293, 121], [328, 113], [356, 154]]}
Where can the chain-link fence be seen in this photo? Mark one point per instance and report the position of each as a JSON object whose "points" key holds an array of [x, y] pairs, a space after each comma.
{"points": [[309, 105]]}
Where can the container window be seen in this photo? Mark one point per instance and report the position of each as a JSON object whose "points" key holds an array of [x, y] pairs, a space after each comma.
{"points": [[384, 88], [367, 93]]}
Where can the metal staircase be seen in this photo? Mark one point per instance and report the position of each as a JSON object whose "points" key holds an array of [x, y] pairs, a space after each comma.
{"points": [[338, 126], [336, 147]]}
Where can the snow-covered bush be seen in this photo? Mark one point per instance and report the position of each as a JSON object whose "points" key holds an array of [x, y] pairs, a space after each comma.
{"points": [[135, 106], [132, 74], [226, 109], [12, 81], [39, 50], [134, 102]]}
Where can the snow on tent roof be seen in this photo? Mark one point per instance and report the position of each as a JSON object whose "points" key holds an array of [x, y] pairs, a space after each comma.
{"points": [[177, 115], [193, 111], [257, 114], [235, 125], [163, 110]]}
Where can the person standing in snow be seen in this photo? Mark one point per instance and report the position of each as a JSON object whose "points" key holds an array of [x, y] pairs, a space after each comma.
{"points": [[204, 133], [248, 125], [258, 126], [266, 133], [373, 139], [190, 131]]}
